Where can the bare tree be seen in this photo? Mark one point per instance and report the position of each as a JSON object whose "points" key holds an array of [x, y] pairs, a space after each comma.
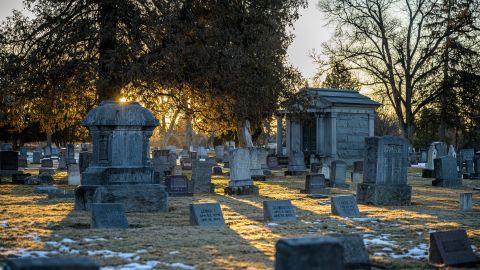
{"points": [[394, 43]]}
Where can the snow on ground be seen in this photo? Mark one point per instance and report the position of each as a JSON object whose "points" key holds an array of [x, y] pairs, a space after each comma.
{"points": [[272, 224], [34, 237], [382, 240], [419, 252], [93, 239]]}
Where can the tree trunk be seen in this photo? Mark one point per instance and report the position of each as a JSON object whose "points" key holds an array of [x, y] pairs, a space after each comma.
{"points": [[445, 94], [188, 131], [243, 134]]}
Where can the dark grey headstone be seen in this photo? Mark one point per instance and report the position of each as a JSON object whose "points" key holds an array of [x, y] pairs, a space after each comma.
{"points": [[46, 163], [338, 173], [324, 253], [71, 154], [355, 253], [9, 160], [272, 163], [467, 154], [37, 155], [56, 263], [177, 185], [315, 167], [446, 172], [202, 177], [449, 248], [217, 170], [109, 216], [23, 152], [358, 166], [206, 214], [296, 164], [280, 210], [22, 162], [345, 206], [315, 184]]}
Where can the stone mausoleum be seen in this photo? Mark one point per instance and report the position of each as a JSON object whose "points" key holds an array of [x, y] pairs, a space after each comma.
{"points": [[334, 126]]}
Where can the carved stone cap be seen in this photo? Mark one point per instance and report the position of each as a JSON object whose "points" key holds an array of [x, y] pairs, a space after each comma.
{"points": [[111, 113]]}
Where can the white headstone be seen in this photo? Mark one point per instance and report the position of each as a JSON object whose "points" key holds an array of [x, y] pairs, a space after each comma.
{"points": [[73, 174], [240, 168]]}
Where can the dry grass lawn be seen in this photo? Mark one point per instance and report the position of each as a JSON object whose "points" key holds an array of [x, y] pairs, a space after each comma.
{"points": [[246, 242]]}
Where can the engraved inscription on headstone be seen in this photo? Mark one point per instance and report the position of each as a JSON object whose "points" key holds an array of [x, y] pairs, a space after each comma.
{"points": [[345, 206], [450, 248], [206, 214], [177, 185], [108, 216], [281, 210]]}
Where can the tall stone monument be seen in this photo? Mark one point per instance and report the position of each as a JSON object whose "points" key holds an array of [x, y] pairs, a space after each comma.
{"points": [[385, 172], [240, 179], [119, 171]]}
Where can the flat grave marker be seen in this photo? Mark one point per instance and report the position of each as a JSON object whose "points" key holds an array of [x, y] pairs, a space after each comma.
{"points": [[57, 263], [280, 210], [449, 248], [206, 214], [108, 216], [345, 206], [177, 185]]}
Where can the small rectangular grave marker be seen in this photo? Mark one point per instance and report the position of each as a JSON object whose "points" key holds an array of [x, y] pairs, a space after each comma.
{"points": [[177, 185], [109, 216], [281, 210], [355, 253], [466, 201], [57, 263], [345, 206], [206, 214], [450, 248]]}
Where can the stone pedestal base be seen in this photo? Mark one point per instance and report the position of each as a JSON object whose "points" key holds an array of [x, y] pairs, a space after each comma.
{"points": [[295, 173], [383, 194], [447, 183], [259, 178], [427, 173], [316, 192], [136, 198], [241, 190]]}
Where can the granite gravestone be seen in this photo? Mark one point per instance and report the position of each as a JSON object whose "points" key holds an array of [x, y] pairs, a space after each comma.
{"points": [[338, 172], [37, 156], [436, 150], [277, 211], [177, 185], [161, 163], [423, 156], [272, 162], [120, 162], [450, 248], [219, 153], [206, 214], [46, 163], [73, 175], [446, 172], [262, 158], [324, 253], [202, 177], [296, 164], [71, 154], [355, 253], [344, 206], [315, 185], [240, 179], [47, 151], [217, 170], [315, 167], [186, 163], [62, 159], [466, 201], [23, 152], [108, 216], [55, 263], [385, 172], [469, 170], [256, 172]]}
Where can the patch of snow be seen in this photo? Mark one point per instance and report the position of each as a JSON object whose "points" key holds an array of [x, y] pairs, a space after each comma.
{"points": [[67, 241], [363, 219], [34, 237], [272, 224], [108, 254], [141, 251], [27, 253], [180, 265], [419, 252], [382, 241], [317, 222], [387, 249], [174, 252], [4, 223], [419, 233], [93, 239], [136, 266], [53, 243]]}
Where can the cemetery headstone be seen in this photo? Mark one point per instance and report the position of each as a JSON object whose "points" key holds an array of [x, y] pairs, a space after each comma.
{"points": [[108, 216], [355, 253], [469, 170], [22, 162], [47, 151], [219, 153], [466, 201], [338, 172], [55, 263], [84, 159], [6, 147], [279, 210], [296, 164], [217, 170], [467, 154], [186, 163], [451, 151], [73, 174], [450, 248], [315, 167], [161, 163], [315, 185], [262, 158], [37, 156], [385, 172], [345, 206], [240, 179], [423, 156], [46, 163], [202, 177], [71, 154], [177, 185], [256, 172], [202, 152], [24, 152], [206, 214], [324, 253], [446, 172], [272, 162], [62, 159]]}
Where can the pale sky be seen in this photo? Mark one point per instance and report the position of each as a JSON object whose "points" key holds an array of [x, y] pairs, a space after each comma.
{"points": [[310, 31]]}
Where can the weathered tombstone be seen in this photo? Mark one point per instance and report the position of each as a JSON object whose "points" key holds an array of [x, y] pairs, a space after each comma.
{"points": [[46, 163], [385, 172], [272, 162], [446, 172], [177, 185], [186, 163], [279, 210], [325, 253], [315, 167], [450, 248], [296, 164], [202, 177], [315, 185], [161, 163], [108, 216], [62, 159], [355, 254], [476, 166], [345, 206], [37, 156], [451, 151], [73, 174], [256, 172], [240, 179], [172, 160], [466, 201], [55, 263], [217, 170], [23, 152], [8, 160], [338, 173], [206, 214], [84, 159], [71, 154], [467, 154], [47, 151], [202, 152], [219, 153], [193, 155], [357, 174], [469, 170], [262, 158], [120, 161], [325, 170], [423, 156]]}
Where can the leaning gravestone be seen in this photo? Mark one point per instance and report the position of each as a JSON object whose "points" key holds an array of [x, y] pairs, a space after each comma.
{"points": [[202, 177], [446, 172], [450, 248], [120, 165], [466, 201], [315, 185], [256, 172], [324, 253], [240, 179], [177, 185], [109, 216], [73, 175], [280, 210], [355, 253], [385, 172], [56, 263], [296, 164], [206, 214], [344, 206], [338, 172]]}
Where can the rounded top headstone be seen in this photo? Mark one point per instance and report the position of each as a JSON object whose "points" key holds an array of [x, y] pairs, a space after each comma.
{"points": [[111, 113]]}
